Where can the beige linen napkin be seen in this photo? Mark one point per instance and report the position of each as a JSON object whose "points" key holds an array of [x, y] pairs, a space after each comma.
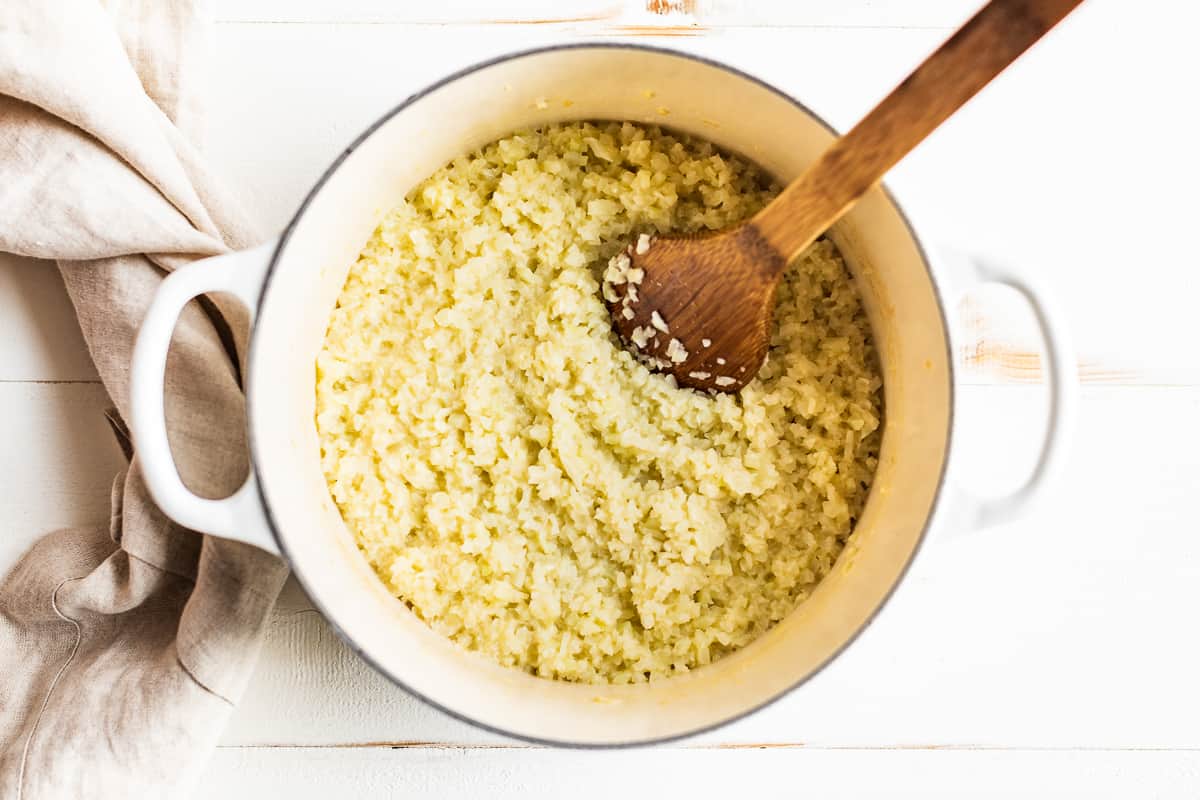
{"points": [[123, 647]]}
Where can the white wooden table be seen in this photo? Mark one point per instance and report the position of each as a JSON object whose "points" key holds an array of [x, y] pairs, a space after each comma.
{"points": [[1056, 657]]}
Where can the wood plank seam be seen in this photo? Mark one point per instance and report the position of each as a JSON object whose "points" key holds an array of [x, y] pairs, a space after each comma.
{"points": [[584, 26], [968, 748], [51, 381]]}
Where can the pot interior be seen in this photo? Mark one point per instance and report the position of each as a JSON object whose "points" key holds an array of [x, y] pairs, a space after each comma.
{"points": [[462, 113]]}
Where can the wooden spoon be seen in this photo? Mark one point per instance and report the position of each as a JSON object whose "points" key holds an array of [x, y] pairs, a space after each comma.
{"points": [[701, 306]]}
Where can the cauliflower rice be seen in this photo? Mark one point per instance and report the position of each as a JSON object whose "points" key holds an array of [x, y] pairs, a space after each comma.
{"points": [[528, 487]]}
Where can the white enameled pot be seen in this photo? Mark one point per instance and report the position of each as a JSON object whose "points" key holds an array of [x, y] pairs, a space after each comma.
{"points": [[290, 286]]}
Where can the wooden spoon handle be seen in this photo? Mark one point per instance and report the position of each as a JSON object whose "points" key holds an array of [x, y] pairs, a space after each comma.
{"points": [[976, 53]]}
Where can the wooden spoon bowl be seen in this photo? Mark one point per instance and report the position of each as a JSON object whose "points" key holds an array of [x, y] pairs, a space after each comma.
{"points": [[718, 345]]}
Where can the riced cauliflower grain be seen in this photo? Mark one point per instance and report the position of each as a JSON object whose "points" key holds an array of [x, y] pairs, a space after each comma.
{"points": [[528, 487], [676, 352]]}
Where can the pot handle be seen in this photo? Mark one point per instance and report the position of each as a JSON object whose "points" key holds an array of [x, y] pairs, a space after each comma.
{"points": [[239, 516], [972, 512]]}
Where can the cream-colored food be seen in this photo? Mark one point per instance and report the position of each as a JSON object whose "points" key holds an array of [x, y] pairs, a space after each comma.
{"points": [[527, 486]]}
